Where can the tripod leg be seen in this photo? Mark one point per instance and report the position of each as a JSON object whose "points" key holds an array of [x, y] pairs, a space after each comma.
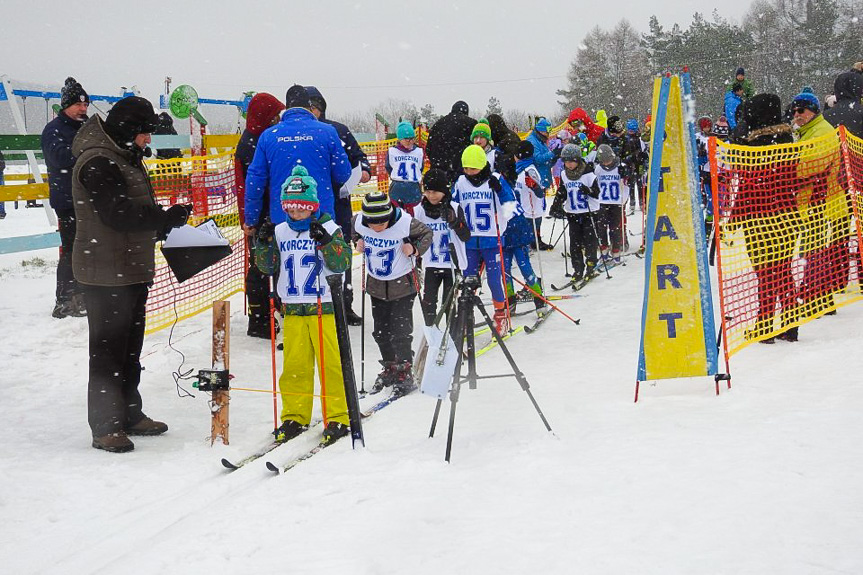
{"points": [[522, 380], [461, 327]]}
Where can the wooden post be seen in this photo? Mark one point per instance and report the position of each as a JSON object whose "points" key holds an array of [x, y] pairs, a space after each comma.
{"points": [[221, 361]]}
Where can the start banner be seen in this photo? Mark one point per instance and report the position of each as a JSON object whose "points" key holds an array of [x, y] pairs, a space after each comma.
{"points": [[677, 325]]}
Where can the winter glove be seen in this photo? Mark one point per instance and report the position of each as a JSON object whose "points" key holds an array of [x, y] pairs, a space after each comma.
{"points": [[319, 234], [266, 231], [448, 215], [177, 215], [494, 184]]}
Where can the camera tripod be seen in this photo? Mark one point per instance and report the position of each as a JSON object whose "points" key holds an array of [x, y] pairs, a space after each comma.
{"points": [[463, 334]]}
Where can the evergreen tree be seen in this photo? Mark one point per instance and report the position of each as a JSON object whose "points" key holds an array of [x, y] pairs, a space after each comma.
{"points": [[493, 107]]}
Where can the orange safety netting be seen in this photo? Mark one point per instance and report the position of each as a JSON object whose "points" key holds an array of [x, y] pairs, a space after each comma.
{"points": [[208, 183], [788, 239]]}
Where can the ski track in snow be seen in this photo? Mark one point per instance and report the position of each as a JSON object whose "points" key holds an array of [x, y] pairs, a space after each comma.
{"points": [[762, 479]]}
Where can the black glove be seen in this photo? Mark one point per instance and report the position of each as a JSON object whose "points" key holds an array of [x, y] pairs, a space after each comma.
{"points": [[266, 231], [319, 234], [177, 216], [494, 184]]}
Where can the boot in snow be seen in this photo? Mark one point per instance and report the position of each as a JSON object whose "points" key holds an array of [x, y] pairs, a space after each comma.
{"points": [[501, 321], [404, 379], [334, 431], [114, 442], [385, 378]]}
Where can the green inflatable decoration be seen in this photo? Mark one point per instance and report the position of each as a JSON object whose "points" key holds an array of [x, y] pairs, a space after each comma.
{"points": [[184, 103]]}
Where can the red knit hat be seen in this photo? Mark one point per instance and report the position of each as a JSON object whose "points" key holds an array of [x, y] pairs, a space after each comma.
{"points": [[263, 108]]}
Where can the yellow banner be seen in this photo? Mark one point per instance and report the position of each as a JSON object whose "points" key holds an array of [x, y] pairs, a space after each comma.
{"points": [[674, 335]]}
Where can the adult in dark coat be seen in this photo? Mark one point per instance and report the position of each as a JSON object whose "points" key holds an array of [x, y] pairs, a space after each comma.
{"points": [[765, 205], [848, 110], [448, 138], [344, 214], [166, 128], [264, 110], [119, 223], [57, 149]]}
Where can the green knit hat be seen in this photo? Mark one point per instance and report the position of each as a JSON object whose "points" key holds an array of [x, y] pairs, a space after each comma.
{"points": [[300, 191], [481, 129]]}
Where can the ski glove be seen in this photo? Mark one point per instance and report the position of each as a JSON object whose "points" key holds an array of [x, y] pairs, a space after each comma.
{"points": [[177, 215], [494, 184], [319, 234], [266, 231]]}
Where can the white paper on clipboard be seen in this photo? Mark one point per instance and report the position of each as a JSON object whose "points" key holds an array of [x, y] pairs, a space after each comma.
{"points": [[348, 187]]}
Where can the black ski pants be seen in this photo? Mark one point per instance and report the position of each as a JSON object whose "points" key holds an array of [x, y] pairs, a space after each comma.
{"points": [[66, 284], [116, 316], [344, 218], [582, 242], [394, 326], [434, 279], [609, 226]]}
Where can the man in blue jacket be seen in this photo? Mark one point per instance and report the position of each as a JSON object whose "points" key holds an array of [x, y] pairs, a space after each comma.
{"points": [[543, 158], [733, 99], [57, 149], [298, 139]]}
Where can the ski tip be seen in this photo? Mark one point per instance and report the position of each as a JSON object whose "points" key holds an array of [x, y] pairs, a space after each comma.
{"points": [[578, 321], [228, 465], [272, 467]]}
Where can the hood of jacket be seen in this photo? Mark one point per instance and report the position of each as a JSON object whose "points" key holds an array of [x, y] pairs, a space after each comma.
{"points": [[93, 135], [262, 108], [848, 86]]}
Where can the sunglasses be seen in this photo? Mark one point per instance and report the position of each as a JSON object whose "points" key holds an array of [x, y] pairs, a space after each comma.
{"points": [[799, 110]]}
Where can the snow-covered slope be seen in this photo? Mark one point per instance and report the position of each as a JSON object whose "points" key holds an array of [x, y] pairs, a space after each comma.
{"points": [[762, 479]]}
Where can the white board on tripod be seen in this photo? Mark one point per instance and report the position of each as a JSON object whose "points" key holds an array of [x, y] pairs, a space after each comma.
{"points": [[437, 377]]}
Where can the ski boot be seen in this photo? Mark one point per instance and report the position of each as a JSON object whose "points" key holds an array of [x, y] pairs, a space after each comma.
{"points": [[334, 431], [501, 321], [404, 379], [512, 302], [288, 430], [616, 257], [385, 378], [538, 302], [524, 294]]}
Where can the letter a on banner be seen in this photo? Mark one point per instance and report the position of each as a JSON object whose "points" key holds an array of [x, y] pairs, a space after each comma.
{"points": [[677, 327]]}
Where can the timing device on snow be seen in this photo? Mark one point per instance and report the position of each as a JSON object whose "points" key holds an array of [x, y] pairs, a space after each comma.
{"points": [[212, 380]]}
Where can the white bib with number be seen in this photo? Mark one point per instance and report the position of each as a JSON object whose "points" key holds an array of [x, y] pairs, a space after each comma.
{"points": [[303, 271], [438, 255], [385, 259], [577, 199], [533, 207], [407, 166], [612, 189], [480, 205]]}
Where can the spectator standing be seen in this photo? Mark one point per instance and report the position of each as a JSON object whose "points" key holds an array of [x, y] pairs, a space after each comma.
{"points": [[57, 150], [119, 223], [344, 212], [299, 138], [264, 111], [740, 77], [448, 138], [733, 99], [848, 110], [543, 158]]}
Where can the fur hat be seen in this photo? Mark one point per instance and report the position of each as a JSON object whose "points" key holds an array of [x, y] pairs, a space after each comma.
{"points": [[525, 150], [762, 110], [300, 191], [72, 93], [377, 208]]}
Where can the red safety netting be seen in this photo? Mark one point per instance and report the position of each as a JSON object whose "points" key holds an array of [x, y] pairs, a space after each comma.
{"points": [[787, 236]]}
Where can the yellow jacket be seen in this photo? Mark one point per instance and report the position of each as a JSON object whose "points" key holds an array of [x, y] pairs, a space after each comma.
{"points": [[818, 169]]}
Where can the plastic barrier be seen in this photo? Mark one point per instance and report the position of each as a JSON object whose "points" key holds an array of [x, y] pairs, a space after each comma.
{"points": [[788, 235]]}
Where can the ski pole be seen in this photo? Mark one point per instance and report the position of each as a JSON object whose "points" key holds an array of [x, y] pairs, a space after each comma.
{"points": [[536, 237], [554, 307], [596, 233], [273, 352], [566, 253], [363, 328], [321, 365]]}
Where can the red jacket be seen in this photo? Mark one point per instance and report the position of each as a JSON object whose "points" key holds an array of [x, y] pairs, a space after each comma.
{"points": [[263, 108], [594, 130]]}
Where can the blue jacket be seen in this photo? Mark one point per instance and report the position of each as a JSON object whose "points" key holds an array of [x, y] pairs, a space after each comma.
{"points": [[57, 148], [298, 139], [543, 158], [732, 101]]}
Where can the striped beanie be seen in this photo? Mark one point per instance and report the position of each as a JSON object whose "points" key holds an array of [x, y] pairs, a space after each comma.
{"points": [[481, 129], [377, 208]]}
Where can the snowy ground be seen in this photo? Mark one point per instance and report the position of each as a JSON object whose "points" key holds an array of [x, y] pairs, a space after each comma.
{"points": [[763, 479]]}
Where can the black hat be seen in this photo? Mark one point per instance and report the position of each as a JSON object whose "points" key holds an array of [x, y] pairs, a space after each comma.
{"points": [[616, 125], [128, 118], [297, 97], [460, 107], [72, 93], [436, 180], [740, 72], [316, 98], [762, 110], [524, 150], [377, 208]]}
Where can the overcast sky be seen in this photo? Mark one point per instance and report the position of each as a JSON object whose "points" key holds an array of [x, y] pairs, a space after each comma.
{"points": [[357, 52]]}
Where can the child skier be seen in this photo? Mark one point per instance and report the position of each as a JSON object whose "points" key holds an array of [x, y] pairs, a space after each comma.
{"points": [[481, 136], [579, 188], [440, 214], [405, 167], [488, 203], [307, 246], [391, 239], [613, 195], [520, 232], [529, 192]]}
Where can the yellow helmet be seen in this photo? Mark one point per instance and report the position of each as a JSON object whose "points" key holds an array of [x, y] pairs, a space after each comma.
{"points": [[473, 157]]}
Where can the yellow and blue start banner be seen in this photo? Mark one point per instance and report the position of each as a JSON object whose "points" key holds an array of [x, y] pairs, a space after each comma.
{"points": [[677, 326]]}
